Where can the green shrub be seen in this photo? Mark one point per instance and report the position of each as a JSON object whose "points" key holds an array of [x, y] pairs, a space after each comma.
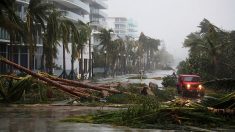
{"points": [[118, 99], [169, 81]]}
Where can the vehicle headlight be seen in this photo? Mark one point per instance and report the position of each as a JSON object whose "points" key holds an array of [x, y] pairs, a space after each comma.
{"points": [[188, 86], [199, 87]]}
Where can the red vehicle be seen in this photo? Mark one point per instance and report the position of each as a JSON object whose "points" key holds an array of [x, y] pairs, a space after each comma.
{"points": [[190, 85]]}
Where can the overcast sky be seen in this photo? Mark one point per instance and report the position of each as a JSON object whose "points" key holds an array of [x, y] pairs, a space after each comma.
{"points": [[173, 20]]}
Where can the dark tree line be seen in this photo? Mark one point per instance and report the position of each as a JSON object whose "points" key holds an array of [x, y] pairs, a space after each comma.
{"points": [[211, 52]]}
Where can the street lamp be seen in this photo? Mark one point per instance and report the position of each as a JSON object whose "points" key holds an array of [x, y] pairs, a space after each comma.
{"points": [[105, 67], [124, 70], [119, 67]]}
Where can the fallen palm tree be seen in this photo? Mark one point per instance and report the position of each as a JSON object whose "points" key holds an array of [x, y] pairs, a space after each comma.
{"points": [[74, 88], [80, 84]]}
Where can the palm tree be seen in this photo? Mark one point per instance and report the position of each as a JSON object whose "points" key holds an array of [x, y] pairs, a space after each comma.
{"points": [[80, 34], [65, 32], [210, 41], [50, 41], [105, 39], [36, 16], [117, 47], [153, 44], [11, 23], [74, 46]]}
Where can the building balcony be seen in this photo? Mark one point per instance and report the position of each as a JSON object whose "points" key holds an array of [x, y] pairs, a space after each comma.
{"points": [[99, 24], [98, 13], [75, 4], [74, 16], [99, 4], [23, 1]]}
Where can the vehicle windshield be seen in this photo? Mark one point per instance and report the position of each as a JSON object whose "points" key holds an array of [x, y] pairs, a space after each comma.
{"points": [[191, 79]]}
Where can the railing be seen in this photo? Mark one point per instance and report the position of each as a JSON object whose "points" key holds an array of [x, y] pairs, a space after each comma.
{"points": [[101, 3], [99, 12], [74, 16], [23, 1], [77, 3]]}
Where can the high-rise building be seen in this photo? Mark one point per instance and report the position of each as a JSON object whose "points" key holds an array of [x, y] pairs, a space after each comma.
{"points": [[87, 11], [123, 27]]}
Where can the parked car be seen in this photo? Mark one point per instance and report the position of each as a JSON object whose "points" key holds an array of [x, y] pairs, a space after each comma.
{"points": [[189, 85]]}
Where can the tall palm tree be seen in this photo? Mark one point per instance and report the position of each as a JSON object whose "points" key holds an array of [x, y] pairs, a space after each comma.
{"points": [[9, 20], [65, 31], [209, 41], [105, 42], [117, 47], [105, 39], [11, 23], [80, 35], [36, 16], [50, 41]]}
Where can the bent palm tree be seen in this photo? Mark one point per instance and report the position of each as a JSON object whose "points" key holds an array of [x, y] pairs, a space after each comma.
{"points": [[50, 41], [36, 15], [65, 32], [80, 35], [11, 23]]}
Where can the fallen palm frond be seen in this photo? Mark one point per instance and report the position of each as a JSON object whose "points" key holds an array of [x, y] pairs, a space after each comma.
{"points": [[149, 113], [12, 91]]}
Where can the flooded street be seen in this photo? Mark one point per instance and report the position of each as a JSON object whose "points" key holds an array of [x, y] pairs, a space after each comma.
{"points": [[46, 118], [39, 118], [150, 76]]}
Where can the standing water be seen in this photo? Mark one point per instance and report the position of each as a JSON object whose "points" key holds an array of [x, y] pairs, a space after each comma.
{"points": [[46, 118], [150, 78], [42, 118]]}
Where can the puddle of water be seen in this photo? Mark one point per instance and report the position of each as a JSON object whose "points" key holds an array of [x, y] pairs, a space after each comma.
{"points": [[46, 118]]}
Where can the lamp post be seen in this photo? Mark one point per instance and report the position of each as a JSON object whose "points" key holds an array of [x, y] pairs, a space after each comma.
{"points": [[129, 63], [90, 60], [139, 64], [119, 62], [105, 63], [124, 66]]}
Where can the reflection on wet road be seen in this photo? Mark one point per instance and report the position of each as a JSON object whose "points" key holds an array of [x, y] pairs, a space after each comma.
{"points": [[124, 78], [45, 118]]}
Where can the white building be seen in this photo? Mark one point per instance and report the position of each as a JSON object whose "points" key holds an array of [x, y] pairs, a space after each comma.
{"points": [[87, 11], [84, 10], [123, 27]]}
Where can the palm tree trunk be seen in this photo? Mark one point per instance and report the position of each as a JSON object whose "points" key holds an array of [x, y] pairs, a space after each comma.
{"points": [[216, 68], [82, 65], [84, 85], [10, 51], [64, 74], [42, 61], [72, 73]]}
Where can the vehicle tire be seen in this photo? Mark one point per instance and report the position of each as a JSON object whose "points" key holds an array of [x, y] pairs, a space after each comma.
{"points": [[202, 94], [183, 92]]}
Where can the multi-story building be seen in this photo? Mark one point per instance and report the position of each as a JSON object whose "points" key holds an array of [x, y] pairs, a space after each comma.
{"points": [[76, 10], [132, 28], [123, 27], [19, 52]]}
